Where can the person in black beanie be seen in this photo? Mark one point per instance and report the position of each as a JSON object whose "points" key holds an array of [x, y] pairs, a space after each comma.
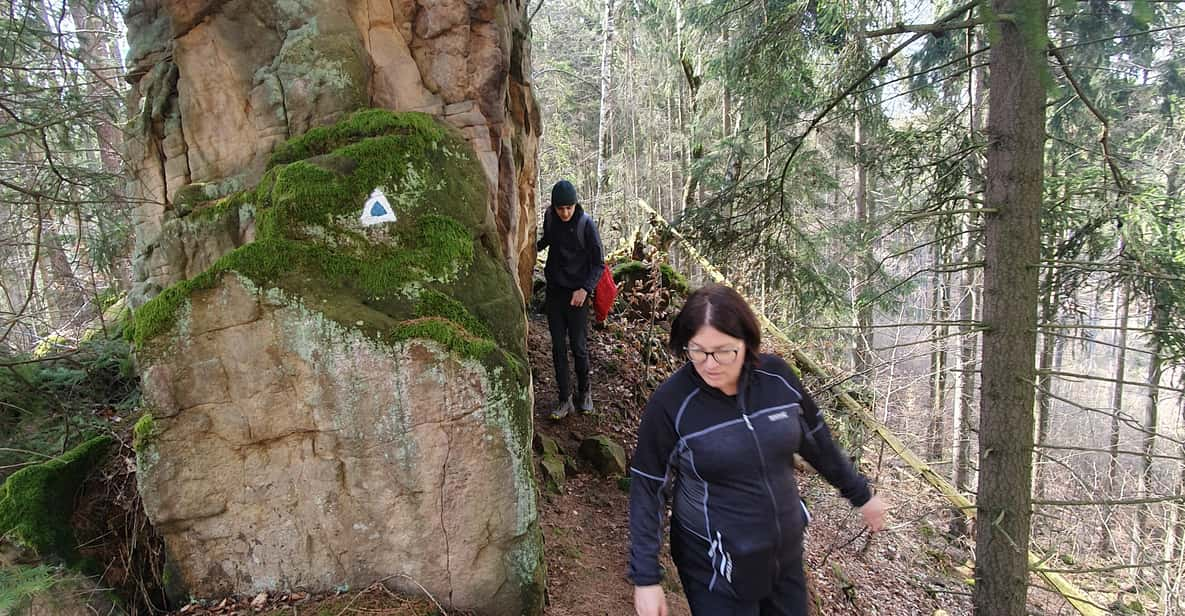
{"points": [[575, 261]]}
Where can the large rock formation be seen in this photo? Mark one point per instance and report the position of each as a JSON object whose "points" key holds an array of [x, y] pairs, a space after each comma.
{"points": [[218, 84], [335, 403]]}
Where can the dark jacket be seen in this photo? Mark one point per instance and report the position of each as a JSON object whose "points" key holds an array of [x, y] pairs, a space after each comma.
{"points": [[737, 518], [571, 264]]}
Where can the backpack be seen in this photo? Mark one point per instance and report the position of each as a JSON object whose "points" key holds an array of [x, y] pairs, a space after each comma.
{"points": [[605, 292], [604, 295], [581, 225]]}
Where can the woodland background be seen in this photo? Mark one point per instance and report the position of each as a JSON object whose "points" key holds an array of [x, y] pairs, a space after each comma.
{"points": [[831, 157]]}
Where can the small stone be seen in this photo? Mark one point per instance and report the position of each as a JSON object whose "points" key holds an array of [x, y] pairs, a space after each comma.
{"points": [[259, 601], [605, 454]]}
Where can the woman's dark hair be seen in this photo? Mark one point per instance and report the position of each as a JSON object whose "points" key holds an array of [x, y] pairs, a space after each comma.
{"points": [[722, 308]]}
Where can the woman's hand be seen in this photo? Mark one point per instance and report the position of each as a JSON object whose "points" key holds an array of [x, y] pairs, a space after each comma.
{"points": [[874, 513], [650, 601]]}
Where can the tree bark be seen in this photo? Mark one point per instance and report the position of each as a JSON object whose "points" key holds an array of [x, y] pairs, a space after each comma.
{"points": [[606, 87], [939, 312], [1015, 163], [1158, 320], [862, 355], [969, 306], [1122, 310], [1049, 303]]}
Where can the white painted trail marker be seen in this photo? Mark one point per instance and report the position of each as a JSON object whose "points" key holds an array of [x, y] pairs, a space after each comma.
{"points": [[377, 210]]}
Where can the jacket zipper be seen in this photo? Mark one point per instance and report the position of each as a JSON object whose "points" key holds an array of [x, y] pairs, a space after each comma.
{"points": [[769, 489]]}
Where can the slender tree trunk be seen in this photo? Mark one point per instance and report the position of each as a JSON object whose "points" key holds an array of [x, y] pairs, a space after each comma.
{"points": [[67, 296], [695, 149], [1143, 520], [1044, 382], [1122, 310], [103, 61], [939, 310], [606, 86], [862, 310], [1173, 548], [966, 380], [635, 108], [1016, 133]]}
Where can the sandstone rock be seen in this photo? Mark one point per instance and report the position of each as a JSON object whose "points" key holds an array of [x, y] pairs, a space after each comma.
{"points": [[605, 455], [220, 83], [339, 404]]}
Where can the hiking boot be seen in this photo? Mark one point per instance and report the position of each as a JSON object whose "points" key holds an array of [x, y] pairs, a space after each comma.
{"points": [[564, 409], [585, 405]]}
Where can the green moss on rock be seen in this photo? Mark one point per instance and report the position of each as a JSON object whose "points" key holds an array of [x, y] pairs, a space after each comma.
{"points": [[673, 280], [359, 126], [143, 431], [310, 244], [628, 269], [447, 333], [637, 270], [36, 502]]}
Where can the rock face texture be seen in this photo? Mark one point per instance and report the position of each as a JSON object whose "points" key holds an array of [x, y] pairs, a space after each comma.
{"points": [[336, 403], [218, 84]]}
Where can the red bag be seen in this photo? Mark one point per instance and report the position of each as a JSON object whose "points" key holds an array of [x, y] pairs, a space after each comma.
{"points": [[604, 295]]}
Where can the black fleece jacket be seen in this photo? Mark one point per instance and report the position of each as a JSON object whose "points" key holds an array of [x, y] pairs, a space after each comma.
{"points": [[727, 461], [570, 266]]}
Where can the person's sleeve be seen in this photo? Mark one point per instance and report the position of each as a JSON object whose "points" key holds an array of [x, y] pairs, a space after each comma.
{"points": [[544, 241], [596, 256], [649, 473], [821, 451]]}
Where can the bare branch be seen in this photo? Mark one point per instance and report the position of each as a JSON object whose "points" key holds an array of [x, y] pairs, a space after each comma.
{"points": [[936, 28]]}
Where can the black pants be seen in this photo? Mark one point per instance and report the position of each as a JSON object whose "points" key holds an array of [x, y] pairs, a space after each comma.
{"points": [[568, 325], [787, 599]]}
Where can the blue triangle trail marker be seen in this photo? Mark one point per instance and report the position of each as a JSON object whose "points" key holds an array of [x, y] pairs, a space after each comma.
{"points": [[377, 209]]}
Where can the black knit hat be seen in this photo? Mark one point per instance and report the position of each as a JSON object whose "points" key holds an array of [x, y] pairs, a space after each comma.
{"points": [[563, 193]]}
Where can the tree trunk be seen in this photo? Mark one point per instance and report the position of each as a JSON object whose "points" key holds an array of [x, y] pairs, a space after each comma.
{"points": [[695, 149], [1015, 163], [1122, 311], [966, 379], [606, 87], [862, 349], [939, 311], [1174, 548], [68, 298], [1143, 520], [1044, 381], [103, 62]]}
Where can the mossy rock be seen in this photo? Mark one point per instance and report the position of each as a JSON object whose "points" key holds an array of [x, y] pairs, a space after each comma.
{"points": [[143, 432], [631, 271], [36, 502], [552, 461], [437, 272], [604, 454]]}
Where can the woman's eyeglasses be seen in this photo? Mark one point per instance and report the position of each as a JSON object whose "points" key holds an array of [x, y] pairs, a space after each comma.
{"points": [[723, 357]]}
